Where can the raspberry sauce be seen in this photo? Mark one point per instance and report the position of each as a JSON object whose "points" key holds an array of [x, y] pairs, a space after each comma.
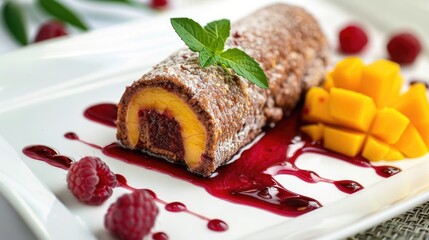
{"points": [[250, 179], [74, 136], [48, 155], [217, 225], [160, 236], [174, 206], [104, 113]]}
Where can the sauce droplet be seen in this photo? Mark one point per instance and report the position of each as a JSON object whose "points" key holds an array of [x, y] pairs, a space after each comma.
{"points": [[159, 236], [386, 171], [175, 207], [348, 186], [217, 225]]}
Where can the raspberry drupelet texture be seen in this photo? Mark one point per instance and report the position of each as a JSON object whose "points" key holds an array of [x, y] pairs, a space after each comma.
{"points": [[91, 180], [132, 216]]}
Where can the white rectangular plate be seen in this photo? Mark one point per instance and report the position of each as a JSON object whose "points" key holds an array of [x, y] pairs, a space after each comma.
{"points": [[45, 89]]}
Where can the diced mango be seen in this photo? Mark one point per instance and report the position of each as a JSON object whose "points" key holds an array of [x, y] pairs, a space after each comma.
{"points": [[389, 124], [343, 141], [374, 150], [396, 86], [415, 106], [314, 131], [360, 110], [316, 106], [423, 128], [351, 109], [414, 103], [347, 73], [393, 154], [411, 143], [380, 81], [329, 81]]}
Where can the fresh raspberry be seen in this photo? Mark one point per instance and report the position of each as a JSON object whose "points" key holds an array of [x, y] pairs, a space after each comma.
{"points": [[158, 4], [91, 180], [50, 29], [403, 48], [132, 216], [352, 39]]}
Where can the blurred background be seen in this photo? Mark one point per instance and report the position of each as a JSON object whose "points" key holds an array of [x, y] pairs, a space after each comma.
{"points": [[26, 18], [38, 19]]}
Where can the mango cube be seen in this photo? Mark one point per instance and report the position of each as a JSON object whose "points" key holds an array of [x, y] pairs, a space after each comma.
{"points": [[415, 106], [351, 109], [411, 143], [413, 103], [314, 131], [389, 124], [393, 154], [329, 81], [316, 106], [423, 128], [343, 141], [347, 73], [374, 150], [380, 81]]}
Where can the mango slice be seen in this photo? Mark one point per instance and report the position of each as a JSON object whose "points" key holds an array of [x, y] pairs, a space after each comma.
{"points": [[374, 150], [351, 109], [347, 73], [411, 143], [343, 141], [380, 81], [314, 131], [360, 110], [394, 154], [389, 124], [415, 106], [422, 127]]}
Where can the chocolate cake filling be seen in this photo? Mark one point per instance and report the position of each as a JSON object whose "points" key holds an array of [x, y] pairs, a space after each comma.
{"points": [[163, 131], [216, 112]]}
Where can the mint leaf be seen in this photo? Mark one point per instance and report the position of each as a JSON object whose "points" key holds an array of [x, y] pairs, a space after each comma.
{"points": [[207, 58], [209, 42], [194, 36], [63, 13], [14, 21], [245, 66], [219, 30]]}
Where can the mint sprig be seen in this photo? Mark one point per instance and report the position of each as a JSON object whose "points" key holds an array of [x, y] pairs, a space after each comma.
{"points": [[209, 42]]}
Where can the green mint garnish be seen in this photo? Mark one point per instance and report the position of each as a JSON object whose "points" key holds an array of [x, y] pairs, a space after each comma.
{"points": [[209, 42], [15, 22]]}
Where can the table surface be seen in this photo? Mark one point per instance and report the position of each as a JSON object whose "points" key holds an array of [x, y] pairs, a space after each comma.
{"points": [[413, 224]]}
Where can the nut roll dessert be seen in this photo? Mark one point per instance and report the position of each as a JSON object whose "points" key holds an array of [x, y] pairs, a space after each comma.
{"points": [[203, 116]]}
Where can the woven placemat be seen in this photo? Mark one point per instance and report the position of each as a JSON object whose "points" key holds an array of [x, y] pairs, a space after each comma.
{"points": [[413, 224]]}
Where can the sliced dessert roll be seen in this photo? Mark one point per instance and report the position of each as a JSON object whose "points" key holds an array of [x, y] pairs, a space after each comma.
{"points": [[202, 116]]}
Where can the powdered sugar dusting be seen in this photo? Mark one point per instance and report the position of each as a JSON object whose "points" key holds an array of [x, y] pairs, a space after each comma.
{"points": [[292, 51]]}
